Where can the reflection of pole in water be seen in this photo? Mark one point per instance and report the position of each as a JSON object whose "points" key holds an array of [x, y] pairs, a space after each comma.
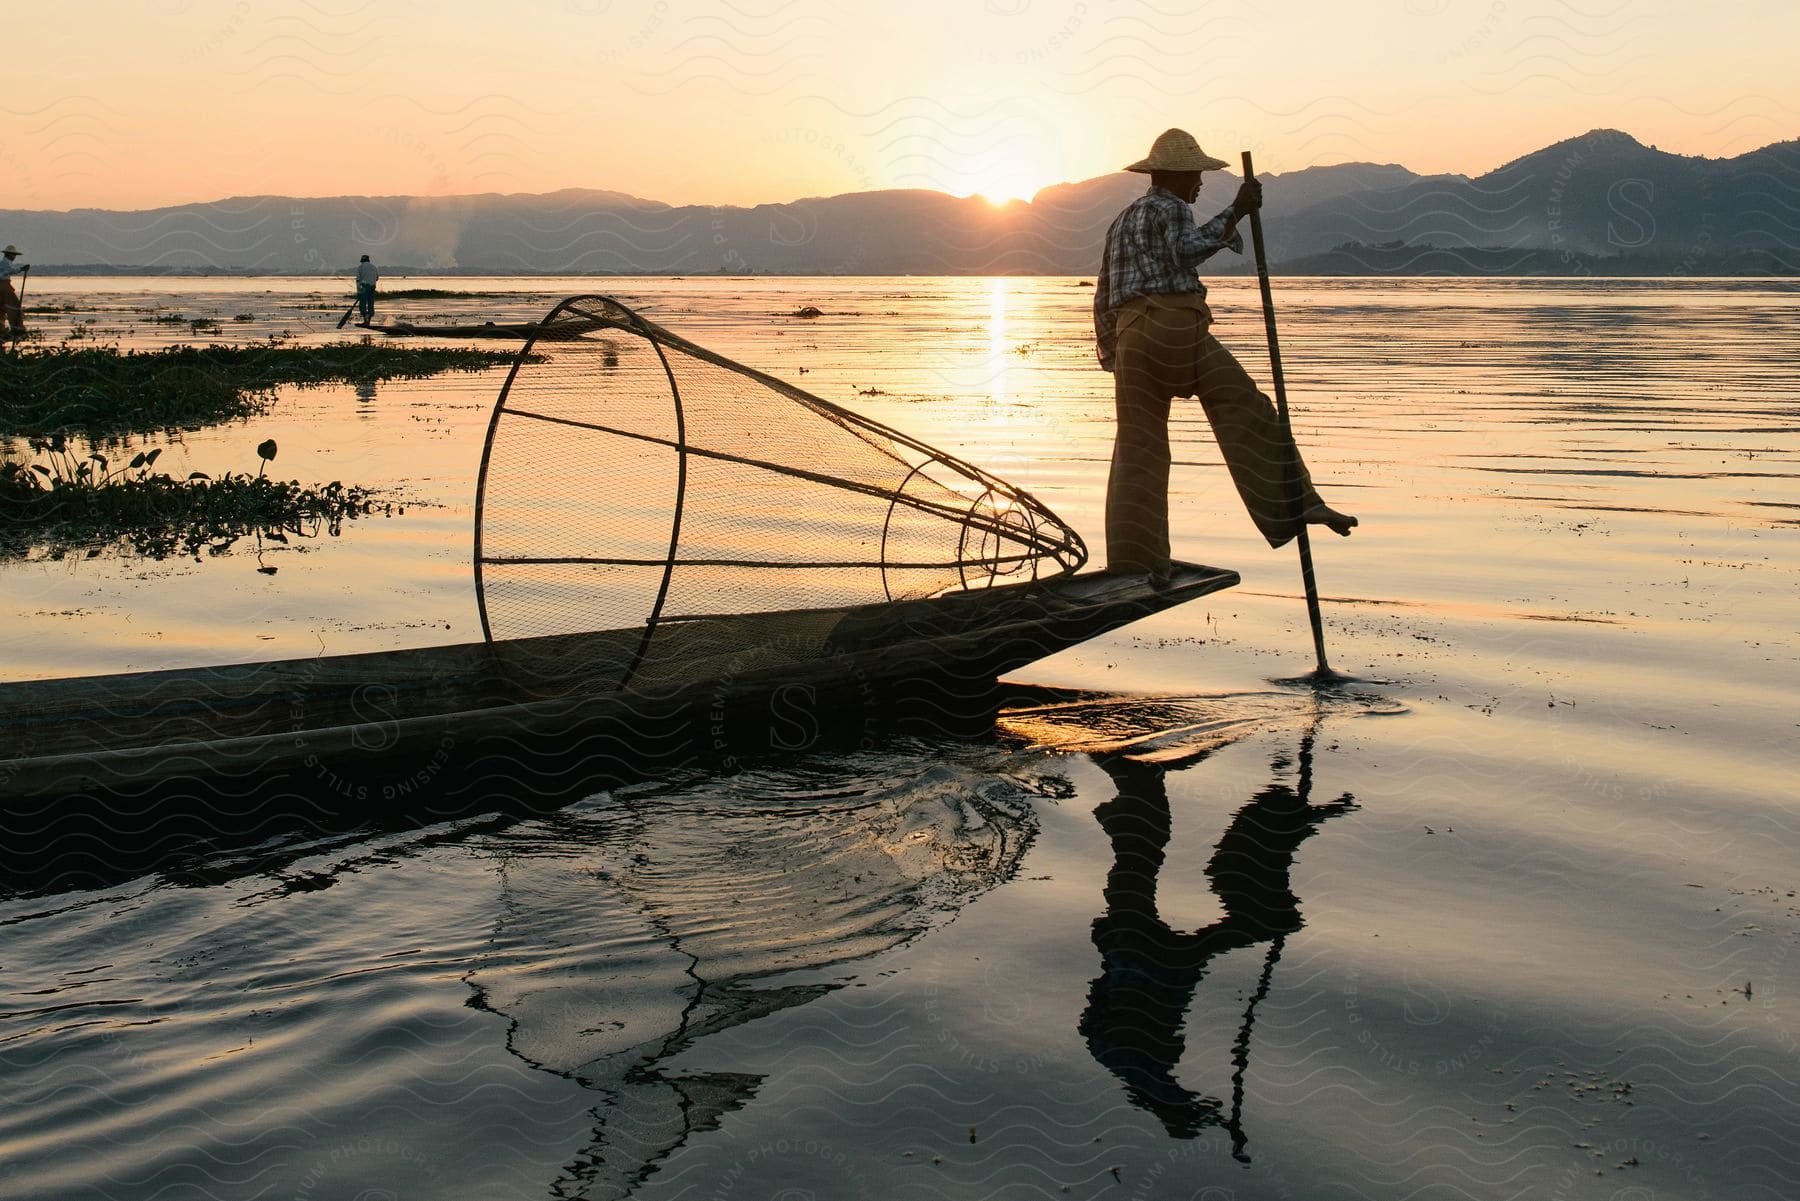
{"points": [[1136, 1007], [365, 391], [1240, 1051]]}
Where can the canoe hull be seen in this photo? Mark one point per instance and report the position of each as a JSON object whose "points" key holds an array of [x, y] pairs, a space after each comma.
{"points": [[436, 725]]}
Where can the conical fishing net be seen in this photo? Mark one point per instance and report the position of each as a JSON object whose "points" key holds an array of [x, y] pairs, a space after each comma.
{"points": [[634, 481]]}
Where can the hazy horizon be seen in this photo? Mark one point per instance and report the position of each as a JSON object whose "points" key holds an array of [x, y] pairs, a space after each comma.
{"points": [[739, 105], [682, 202]]}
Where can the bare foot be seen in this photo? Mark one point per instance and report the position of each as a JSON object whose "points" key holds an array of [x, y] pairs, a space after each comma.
{"points": [[1323, 514]]}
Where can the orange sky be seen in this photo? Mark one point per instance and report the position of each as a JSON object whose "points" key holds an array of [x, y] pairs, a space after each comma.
{"points": [[128, 105]]}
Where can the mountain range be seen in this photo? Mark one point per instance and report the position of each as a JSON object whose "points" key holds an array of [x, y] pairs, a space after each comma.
{"points": [[1600, 202]]}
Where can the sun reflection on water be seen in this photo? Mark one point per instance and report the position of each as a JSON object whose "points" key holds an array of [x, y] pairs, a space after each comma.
{"points": [[997, 338]]}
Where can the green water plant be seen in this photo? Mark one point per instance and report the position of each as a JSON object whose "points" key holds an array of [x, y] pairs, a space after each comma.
{"points": [[98, 391], [64, 503]]}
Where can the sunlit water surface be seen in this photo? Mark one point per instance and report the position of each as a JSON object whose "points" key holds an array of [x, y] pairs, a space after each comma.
{"points": [[1513, 916]]}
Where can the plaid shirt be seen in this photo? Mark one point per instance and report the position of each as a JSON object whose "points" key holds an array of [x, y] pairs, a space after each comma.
{"points": [[1153, 246]]}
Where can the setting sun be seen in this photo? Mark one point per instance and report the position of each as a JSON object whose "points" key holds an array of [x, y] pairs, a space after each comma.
{"points": [[1002, 190]]}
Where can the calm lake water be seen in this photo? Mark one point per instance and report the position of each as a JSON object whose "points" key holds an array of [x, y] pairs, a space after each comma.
{"points": [[1513, 916]]}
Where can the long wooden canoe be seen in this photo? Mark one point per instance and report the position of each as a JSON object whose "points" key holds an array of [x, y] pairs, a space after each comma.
{"points": [[516, 331], [432, 724]]}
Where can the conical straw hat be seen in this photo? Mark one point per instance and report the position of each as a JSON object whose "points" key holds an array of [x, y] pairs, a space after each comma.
{"points": [[1176, 150]]}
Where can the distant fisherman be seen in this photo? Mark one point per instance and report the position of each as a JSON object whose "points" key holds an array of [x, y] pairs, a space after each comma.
{"points": [[11, 311], [366, 275], [1151, 325]]}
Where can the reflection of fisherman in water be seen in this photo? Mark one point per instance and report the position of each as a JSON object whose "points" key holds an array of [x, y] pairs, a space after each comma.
{"points": [[1136, 1008]]}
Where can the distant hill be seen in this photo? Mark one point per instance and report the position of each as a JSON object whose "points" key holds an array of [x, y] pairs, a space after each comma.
{"points": [[315, 234], [1600, 194], [1598, 203], [1404, 258]]}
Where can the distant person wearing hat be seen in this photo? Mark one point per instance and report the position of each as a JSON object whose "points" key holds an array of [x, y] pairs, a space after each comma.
{"points": [[11, 312], [366, 275], [1151, 325]]}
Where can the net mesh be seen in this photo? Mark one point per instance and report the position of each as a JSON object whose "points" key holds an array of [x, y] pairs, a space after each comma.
{"points": [[633, 480]]}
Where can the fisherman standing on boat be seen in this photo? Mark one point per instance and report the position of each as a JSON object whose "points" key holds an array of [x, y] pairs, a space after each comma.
{"points": [[366, 275], [1151, 325], [11, 311]]}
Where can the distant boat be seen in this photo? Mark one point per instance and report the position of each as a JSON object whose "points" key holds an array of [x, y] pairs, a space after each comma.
{"points": [[514, 330]]}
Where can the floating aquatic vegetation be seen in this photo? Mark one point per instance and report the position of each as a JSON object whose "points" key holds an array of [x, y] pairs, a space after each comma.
{"points": [[63, 504], [102, 390]]}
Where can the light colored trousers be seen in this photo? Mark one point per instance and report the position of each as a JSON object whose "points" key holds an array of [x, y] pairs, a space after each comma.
{"points": [[1163, 352]]}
